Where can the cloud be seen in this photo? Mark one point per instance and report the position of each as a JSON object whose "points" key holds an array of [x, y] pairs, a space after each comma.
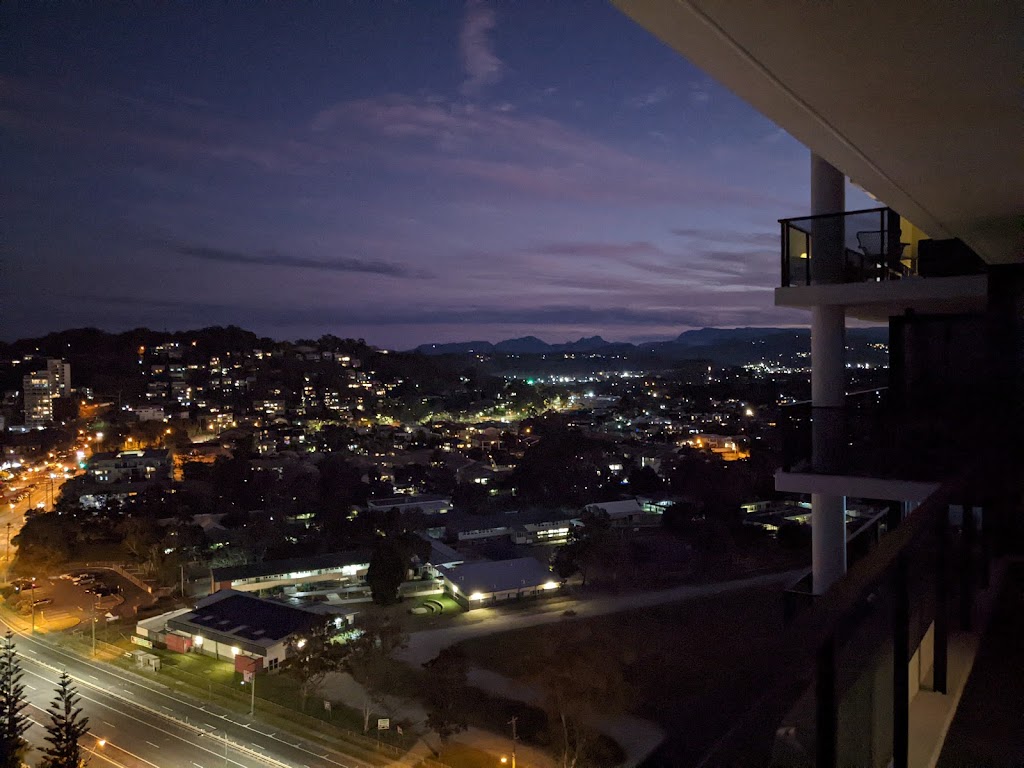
{"points": [[767, 239], [271, 259], [650, 98], [482, 66], [699, 93], [524, 152], [606, 250]]}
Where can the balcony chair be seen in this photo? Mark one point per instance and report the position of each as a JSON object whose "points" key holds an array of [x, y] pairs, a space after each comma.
{"points": [[887, 261]]}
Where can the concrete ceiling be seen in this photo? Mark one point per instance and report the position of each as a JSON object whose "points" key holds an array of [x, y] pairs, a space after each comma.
{"points": [[918, 102]]}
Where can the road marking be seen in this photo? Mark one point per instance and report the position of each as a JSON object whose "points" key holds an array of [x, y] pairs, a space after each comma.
{"points": [[151, 687], [31, 687], [153, 714], [153, 745], [106, 723]]}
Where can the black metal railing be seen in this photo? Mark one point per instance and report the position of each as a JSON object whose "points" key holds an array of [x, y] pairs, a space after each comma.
{"points": [[849, 429], [847, 247], [871, 435], [838, 690], [861, 539]]}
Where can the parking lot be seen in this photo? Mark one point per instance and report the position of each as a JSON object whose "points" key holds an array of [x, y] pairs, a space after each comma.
{"points": [[64, 601]]}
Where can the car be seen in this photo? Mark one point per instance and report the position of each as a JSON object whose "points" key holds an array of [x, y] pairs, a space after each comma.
{"points": [[23, 584], [68, 576], [42, 601]]}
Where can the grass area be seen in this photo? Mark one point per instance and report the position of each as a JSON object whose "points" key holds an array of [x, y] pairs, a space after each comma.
{"points": [[687, 664], [458, 755]]}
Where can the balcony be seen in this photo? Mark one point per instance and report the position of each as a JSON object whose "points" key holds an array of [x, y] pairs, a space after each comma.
{"points": [[872, 436], [872, 673], [859, 246], [876, 446], [872, 263]]}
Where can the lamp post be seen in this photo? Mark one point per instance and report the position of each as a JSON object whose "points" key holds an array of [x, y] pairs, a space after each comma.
{"points": [[515, 738]]}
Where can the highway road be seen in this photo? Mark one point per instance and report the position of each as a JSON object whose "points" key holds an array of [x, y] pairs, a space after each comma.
{"points": [[141, 724]]}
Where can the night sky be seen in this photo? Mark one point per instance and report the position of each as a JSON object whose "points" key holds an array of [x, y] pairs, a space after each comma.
{"points": [[403, 172]]}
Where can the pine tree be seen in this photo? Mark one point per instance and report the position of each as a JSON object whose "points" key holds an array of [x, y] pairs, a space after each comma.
{"points": [[13, 722], [67, 727]]}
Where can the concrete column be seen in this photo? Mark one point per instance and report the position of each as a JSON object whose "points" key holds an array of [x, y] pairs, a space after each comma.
{"points": [[828, 374], [828, 387], [828, 236], [828, 540]]}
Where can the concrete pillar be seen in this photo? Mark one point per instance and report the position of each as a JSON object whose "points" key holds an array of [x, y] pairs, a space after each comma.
{"points": [[828, 388], [828, 374], [828, 236], [828, 540]]}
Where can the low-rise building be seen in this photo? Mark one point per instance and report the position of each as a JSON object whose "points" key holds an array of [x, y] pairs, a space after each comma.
{"points": [[129, 466], [629, 512], [347, 567], [475, 585], [428, 505], [232, 626]]}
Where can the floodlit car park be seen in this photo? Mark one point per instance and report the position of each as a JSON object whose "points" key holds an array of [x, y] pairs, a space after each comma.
{"points": [[71, 597]]}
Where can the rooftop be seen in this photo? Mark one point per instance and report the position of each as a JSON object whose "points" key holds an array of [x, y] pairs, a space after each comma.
{"points": [[245, 618], [291, 565], [497, 576]]}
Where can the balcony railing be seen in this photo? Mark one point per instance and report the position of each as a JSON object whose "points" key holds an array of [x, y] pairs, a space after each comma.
{"points": [[872, 436], [848, 247], [838, 691]]}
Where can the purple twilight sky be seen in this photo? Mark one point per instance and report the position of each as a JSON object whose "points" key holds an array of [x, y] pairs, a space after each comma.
{"points": [[403, 172]]}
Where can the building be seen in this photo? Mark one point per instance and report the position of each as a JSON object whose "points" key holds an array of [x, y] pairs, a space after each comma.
{"points": [[539, 526], [59, 374], [626, 513], [428, 505], [232, 626], [130, 466], [346, 567], [149, 412], [882, 96], [38, 399], [475, 585]]}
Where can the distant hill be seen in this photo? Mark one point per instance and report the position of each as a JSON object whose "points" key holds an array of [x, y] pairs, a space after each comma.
{"points": [[704, 337], [456, 348], [525, 345], [724, 346]]}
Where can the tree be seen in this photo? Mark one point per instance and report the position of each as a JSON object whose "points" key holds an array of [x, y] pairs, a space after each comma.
{"points": [[389, 565], [46, 541], [140, 534], [13, 722], [370, 658], [590, 544], [66, 728], [644, 480], [444, 687], [314, 655], [577, 687]]}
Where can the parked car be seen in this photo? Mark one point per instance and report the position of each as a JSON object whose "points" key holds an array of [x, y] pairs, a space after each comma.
{"points": [[42, 601]]}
